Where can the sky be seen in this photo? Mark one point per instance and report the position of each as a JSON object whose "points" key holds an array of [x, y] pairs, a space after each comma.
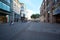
{"points": [[32, 6]]}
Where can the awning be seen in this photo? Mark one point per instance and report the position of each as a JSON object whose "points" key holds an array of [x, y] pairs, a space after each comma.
{"points": [[56, 11], [4, 12]]}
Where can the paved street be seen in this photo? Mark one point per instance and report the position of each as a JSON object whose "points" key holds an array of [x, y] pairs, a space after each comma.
{"points": [[30, 31]]}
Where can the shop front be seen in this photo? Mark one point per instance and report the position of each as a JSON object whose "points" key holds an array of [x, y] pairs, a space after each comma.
{"points": [[57, 18], [57, 14], [3, 19]]}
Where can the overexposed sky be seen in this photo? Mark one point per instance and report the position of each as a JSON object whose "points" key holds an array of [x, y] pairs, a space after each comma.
{"points": [[32, 6], [29, 13]]}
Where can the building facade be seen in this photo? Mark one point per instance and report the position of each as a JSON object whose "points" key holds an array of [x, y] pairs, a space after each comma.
{"points": [[50, 10], [15, 10], [4, 11]]}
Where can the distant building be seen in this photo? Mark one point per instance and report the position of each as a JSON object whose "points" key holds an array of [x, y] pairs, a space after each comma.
{"points": [[4, 11], [22, 11], [50, 10]]}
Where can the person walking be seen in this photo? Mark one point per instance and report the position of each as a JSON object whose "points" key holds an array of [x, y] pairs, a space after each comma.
{"points": [[11, 22]]}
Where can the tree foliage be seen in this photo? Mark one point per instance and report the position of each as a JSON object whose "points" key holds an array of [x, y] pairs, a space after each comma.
{"points": [[35, 16]]}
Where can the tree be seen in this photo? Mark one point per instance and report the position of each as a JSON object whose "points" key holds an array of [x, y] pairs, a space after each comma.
{"points": [[34, 16]]}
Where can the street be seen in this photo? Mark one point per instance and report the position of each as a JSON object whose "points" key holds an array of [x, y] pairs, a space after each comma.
{"points": [[30, 31]]}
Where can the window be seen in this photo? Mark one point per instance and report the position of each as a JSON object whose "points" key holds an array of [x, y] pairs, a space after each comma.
{"points": [[48, 2], [58, 0], [54, 2], [22, 8], [48, 7], [8, 1], [57, 10], [43, 3], [45, 0], [4, 6]]}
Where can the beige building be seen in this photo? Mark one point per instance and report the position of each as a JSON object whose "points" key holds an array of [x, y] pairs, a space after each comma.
{"points": [[42, 19], [16, 6]]}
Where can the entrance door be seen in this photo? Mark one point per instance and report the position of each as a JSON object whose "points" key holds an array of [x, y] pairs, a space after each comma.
{"points": [[58, 18], [1, 20]]}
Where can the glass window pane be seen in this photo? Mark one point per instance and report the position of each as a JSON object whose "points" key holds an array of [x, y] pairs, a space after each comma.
{"points": [[8, 1], [0, 5], [4, 6]]}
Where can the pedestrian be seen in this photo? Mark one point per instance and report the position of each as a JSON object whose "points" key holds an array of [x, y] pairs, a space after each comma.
{"points": [[11, 22]]}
